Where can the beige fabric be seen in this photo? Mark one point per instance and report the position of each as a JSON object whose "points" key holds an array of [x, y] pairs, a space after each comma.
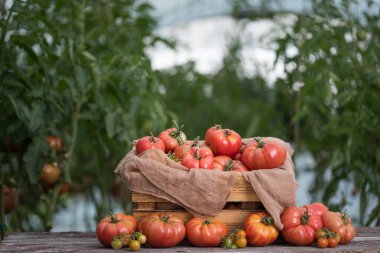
{"points": [[205, 192]]}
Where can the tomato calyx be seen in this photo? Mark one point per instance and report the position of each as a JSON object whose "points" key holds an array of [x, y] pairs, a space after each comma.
{"points": [[152, 138], [260, 143], [113, 218], [206, 222], [305, 217], [165, 218], [229, 165], [177, 133], [227, 132], [267, 220], [173, 157], [345, 218]]}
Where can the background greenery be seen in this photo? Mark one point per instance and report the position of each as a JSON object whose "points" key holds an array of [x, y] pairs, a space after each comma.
{"points": [[78, 69]]}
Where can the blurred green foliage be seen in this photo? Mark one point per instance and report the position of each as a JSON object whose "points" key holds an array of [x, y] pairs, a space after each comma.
{"points": [[78, 69]]}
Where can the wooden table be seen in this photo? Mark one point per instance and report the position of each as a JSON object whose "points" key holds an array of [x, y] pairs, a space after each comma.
{"points": [[367, 240]]}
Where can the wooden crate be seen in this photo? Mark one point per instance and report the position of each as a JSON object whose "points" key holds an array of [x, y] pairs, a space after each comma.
{"points": [[241, 202]]}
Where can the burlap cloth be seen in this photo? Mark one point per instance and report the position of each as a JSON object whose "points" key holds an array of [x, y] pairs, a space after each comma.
{"points": [[205, 192]]}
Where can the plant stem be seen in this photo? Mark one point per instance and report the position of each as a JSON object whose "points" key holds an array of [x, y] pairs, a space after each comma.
{"points": [[2, 218]]}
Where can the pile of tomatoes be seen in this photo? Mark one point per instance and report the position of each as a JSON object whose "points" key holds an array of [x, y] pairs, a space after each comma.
{"points": [[222, 149], [302, 226]]}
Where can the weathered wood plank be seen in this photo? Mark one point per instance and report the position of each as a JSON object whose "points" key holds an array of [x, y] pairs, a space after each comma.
{"points": [[367, 240]]}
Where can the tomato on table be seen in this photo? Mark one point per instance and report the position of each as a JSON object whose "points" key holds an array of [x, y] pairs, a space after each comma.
{"points": [[203, 232], [340, 224], [260, 229]]}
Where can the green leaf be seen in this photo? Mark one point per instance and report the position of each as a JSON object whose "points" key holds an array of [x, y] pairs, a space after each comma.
{"points": [[33, 159]]}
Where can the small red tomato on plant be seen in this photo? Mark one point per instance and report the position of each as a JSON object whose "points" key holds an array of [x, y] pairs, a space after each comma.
{"points": [[340, 224], [260, 229], [49, 175], [300, 225], [198, 158], [149, 142], [162, 230], [225, 142], [172, 137], [203, 232], [115, 225], [263, 155], [55, 143], [10, 198]]}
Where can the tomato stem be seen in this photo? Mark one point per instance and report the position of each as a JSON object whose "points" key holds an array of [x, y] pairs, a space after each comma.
{"points": [[267, 220], [113, 217], [152, 138], [165, 218], [196, 142], [206, 222], [260, 142], [305, 217], [345, 217], [229, 165], [227, 132]]}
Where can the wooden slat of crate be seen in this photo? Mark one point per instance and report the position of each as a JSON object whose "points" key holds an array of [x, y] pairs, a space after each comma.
{"points": [[234, 219], [241, 192]]}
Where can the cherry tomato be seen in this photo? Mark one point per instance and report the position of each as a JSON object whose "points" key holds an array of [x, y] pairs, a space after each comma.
{"points": [[55, 143], [322, 243], [117, 244], [241, 242], [240, 233], [332, 242], [10, 198], [320, 233], [50, 174], [141, 238], [134, 245]]}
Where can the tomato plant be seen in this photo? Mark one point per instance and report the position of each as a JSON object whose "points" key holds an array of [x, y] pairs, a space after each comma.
{"points": [[203, 232], [300, 225], [260, 229], [149, 142], [198, 158], [162, 230], [261, 154], [114, 225], [50, 174], [225, 142], [340, 224], [173, 137]]}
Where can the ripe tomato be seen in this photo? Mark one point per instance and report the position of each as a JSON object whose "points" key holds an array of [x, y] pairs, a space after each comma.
{"points": [[149, 142], [300, 225], [203, 232], [181, 150], [340, 224], [198, 158], [114, 225], [50, 174], [263, 155], [162, 230], [225, 163], [10, 198], [240, 233], [55, 143], [332, 242], [134, 245], [172, 138], [322, 243], [317, 207], [225, 142], [210, 132], [240, 242], [320, 233], [260, 229]]}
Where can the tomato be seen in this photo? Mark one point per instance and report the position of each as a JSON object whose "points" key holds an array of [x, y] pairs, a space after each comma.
{"points": [[222, 162], [320, 233], [10, 198], [134, 245], [141, 238], [181, 150], [149, 142], [300, 225], [203, 232], [162, 230], [198, 158], [172, 138], [241, 242], [210, 132], [115, 225], [240, 233], [225, 142], [263, 155], [322, 243], [317, 207], [260, 229], [55, 143], [332, 242], [340, 224], [50, 174], [117, 244], [238, 166]]}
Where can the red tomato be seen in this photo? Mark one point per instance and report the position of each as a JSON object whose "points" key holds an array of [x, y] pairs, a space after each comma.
{"points": [[340, 224], [50, 174], [198, 158], [181, 150], [260, 229], [225, 142], [162, 230], [225, 163], [210, 132], [317, 207], [10, 198], [149, 142], [300, 225], [55, 142], [114, 225], [322, 243], [263, 155], [172, 138], [203, 232]]}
